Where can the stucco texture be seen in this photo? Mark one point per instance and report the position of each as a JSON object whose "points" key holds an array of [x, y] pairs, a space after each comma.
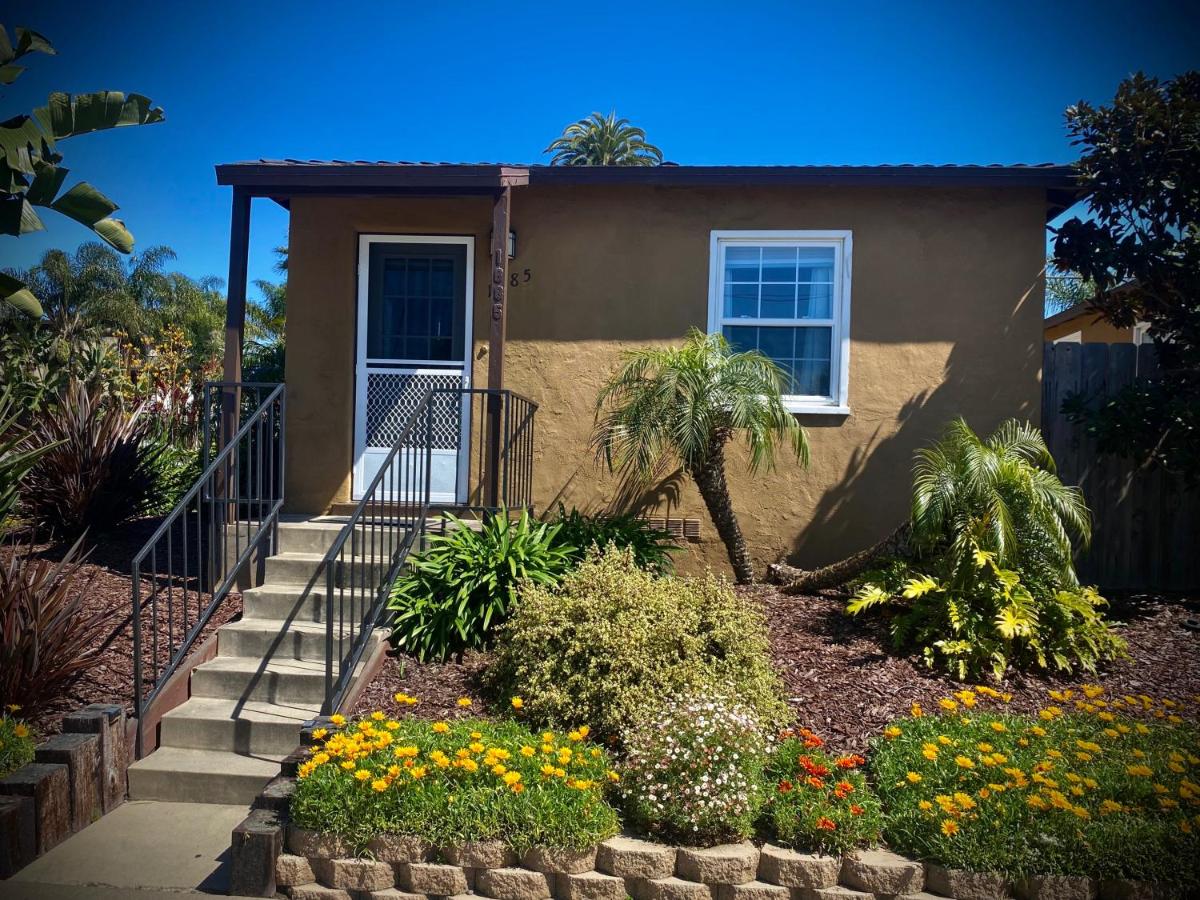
{"points": [[946, 320]]}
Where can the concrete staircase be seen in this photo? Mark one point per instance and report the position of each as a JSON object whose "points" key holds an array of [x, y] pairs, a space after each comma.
{"points": [[246, 705]]}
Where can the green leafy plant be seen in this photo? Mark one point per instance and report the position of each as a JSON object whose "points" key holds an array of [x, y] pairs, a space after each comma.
{"points": [[452, 782], [818, 801], [16, 740], [994, 525], [16, 456], [1092, 785], [454, 593], [692, 772], [603, 141], [48, 638], [652, 547], [682, 405], [102, 466], [614, 641]]}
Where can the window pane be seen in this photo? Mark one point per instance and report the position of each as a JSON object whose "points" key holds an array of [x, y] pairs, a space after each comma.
{"points": [[816, 263], [814, 343], [741, 338], [741, 263], [442, 279], [779, 264], [741, 301], [777, 343], [811, 377], [815, 301], [778, 301]]}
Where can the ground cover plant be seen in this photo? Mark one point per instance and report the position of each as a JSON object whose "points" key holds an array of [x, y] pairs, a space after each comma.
{"points": [[16, 740], [992, 584], [463, 585], [1093, 784], [693, 772], [455, 781], [580, 532], [818, 801], [614, 640]]}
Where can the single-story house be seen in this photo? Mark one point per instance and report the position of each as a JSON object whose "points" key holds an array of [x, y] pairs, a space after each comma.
{"points": [[1082, 325], [895, 298]]}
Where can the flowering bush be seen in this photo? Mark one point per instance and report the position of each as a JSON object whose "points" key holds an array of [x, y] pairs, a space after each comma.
{"points": [[16, 741], [693, 773], [819, 802], [614, 641], [1091, 785], [450, 782]]}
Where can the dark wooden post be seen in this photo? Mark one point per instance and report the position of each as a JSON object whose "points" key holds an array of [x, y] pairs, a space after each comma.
{"points": [[498, 296], [235, 330]]}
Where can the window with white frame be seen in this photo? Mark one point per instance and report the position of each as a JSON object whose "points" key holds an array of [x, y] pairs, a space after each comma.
{"points": [[787, 294]]}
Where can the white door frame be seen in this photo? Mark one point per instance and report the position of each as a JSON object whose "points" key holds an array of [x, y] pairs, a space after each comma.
{"points": [[363, 366]]}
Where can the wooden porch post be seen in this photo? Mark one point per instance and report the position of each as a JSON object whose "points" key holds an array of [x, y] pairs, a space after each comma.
{"points": [[235, 311], [497, 294]]}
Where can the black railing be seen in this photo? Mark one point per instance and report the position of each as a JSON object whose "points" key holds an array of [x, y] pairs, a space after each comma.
{"points": [[192, 560], [391, 518]]}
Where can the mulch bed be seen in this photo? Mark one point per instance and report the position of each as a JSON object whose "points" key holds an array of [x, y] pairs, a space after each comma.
{"points": [[108, 592], [842, 677]]}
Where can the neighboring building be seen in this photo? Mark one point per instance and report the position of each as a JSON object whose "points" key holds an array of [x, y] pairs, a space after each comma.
{"points": [[1081, 325], [895, 297]]}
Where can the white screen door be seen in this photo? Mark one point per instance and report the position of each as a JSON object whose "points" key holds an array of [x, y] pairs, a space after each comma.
{"points": [[414, 334]]}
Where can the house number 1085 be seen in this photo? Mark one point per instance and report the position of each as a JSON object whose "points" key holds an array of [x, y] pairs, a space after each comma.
{"points": [[516, 279]]}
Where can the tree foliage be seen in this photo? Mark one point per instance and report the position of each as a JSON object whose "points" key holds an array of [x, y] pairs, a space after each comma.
{"points": [[603, 141], [31, 174], [1139, 245]]}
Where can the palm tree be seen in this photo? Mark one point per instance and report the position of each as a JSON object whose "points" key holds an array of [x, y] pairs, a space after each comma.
{"points": [[683, 405], [603, 141], [265, 323]]}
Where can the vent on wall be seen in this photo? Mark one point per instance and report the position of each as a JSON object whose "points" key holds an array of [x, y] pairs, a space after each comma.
{"points": [[680, 529]]}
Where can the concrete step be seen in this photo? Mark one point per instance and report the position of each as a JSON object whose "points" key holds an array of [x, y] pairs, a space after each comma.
{"points": [[282, 681], [309, 568], [308, 535], [201, 776], [252, 727], [294, 602], [275, 640]]}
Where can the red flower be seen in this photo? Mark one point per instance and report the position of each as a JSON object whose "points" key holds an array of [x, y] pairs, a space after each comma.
{"points": [[816, 783], [811, 767], [826, 824], [785, 786], [855, 809], [852, 761]]}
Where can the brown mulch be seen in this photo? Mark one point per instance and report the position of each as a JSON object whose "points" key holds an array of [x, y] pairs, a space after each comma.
{"points": [[106, 573], [842, 677]]}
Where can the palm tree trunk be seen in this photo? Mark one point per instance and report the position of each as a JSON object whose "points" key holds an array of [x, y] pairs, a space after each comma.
{"points": [[802, 581], [710, 479]]}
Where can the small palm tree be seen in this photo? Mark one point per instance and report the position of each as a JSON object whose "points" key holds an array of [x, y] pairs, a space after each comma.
{"points": [[1000, 495], [682, 405], [603, 141]]}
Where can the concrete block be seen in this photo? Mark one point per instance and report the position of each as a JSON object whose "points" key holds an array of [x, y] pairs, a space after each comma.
{"points": [[670, 888], [837, 892], [751, 890], [628, 857], [1056, 887], [882, 872], [316, 844], [560, 862], [291, 871], [107, 721], [723, 864], [354, 874], [480, 855], [316, 891], [255, 846], [966, 885], [80, 753], [18, 834], [778, 865], [513, 884], [48, 785], [431, 878], [1127, 889], [396, 894], [589, 886], [399, 848]]}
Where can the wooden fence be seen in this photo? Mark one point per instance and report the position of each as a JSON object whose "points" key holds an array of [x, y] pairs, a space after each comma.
{"points": [[1146, 526]]}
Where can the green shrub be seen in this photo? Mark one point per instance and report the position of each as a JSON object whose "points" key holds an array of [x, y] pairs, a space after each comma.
{"points": [[817, 801], [16, 741], [103, 467], [652, 547], [462, 586], [614, 642], [450, 782], [16, 456], [993, 585], [692, 773], [1090, 791]]}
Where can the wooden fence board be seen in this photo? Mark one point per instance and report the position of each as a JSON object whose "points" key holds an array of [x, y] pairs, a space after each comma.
{"points": [[1146, 533]]}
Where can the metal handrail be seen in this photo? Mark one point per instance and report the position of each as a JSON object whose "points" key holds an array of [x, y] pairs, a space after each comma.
{"points": [[261, 439]]}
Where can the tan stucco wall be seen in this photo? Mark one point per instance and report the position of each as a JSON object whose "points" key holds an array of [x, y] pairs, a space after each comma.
{"points": [[1092, 330], [945, 320]]}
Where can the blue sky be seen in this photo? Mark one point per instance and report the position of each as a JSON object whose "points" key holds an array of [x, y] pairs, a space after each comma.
{"points": [[750, 83]]}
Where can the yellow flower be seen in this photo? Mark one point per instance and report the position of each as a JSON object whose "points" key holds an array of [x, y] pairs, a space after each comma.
{"points": [[379, 785], [20, 730], [547, 770], [925, 805], [511, 778], [1139, 771], [915, 711], [378, 716], [913, 777], [319, 733], [966, 697], [999, 727], [338, 719], [13, 707], [548, 736], [517, 788], [944, 741], [362, 774], [517, 702], [440, 727], [417, 772], [464, 702], [984, 747], [527, 751], [347, 765], [1035, 801], [476, 735], [891, 732], [499, 769], [947, 704], [613, 776], [949, 827], [1092, 691], [574, 736], [963, 762]]}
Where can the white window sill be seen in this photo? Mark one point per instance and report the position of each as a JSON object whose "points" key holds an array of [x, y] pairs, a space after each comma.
{"points": [[801, 407]]}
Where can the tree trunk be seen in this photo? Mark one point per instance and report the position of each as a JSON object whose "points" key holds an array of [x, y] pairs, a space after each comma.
{"points": [[801, 581], [710, 479]]}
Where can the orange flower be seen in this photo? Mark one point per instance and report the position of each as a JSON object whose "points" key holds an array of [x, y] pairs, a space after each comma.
{"points": [[852, 761], [826, 824], [855, 809], [785, 786], [814, 782]]}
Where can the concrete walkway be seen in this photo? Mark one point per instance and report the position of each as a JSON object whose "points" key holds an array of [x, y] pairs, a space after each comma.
{"points": [[144, 849]]}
